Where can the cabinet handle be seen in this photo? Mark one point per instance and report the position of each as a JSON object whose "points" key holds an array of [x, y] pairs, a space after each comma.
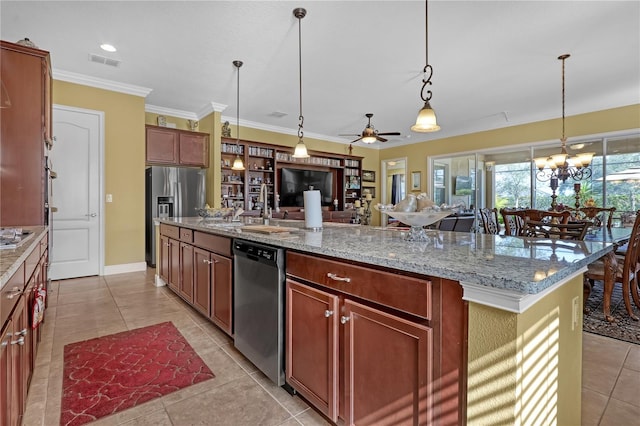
{"points": [[337, 278], [14, 292], [20, 341], [22, 332], [328, 313], [207, 261], [343, 320]]}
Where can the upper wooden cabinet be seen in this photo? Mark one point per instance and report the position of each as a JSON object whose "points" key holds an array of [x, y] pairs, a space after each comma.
{"points": [[172, 147], [24, 134]]}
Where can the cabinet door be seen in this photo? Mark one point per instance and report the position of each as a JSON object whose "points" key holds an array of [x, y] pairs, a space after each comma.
{"points": [[387, 372], [194, 149], [222, 293], [6, 391], [18, 362], [312, 346], [202, 280], [164, 259], [186, 271], [174, 264], [162, 146]]}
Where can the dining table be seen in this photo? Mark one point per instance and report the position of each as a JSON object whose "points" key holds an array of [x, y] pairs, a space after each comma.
{"points": [[617, 236]]}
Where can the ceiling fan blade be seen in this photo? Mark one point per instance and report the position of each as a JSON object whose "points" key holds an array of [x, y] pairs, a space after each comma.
{"points": [[356, 139], [342, 134], [390, 134], [381, 139]]}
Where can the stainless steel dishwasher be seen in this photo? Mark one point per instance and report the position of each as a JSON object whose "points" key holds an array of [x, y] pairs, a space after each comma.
{"points": [[259, 294]]}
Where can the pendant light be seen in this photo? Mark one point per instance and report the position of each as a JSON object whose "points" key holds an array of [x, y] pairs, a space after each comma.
{"points": [[237, 163], [426, 121], [301, 148]]}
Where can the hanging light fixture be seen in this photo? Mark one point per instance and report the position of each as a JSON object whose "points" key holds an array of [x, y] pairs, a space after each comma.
{"points": [[237, 163], [301, 148], [560, 167], [426, 121]]}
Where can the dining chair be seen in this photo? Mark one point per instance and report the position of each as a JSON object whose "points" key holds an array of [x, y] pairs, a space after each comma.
{"points": [[599, 215], [464, 224], [626, 271], [490, 223], [447, 223], [513, 221], [563, 231]]}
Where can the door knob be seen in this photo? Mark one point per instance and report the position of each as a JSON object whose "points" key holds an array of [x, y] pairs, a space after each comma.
{"points": [[92, 214]]}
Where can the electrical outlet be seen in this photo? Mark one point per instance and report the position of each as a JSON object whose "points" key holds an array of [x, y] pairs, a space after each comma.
{"points": [[109, 198], [575, 312]]}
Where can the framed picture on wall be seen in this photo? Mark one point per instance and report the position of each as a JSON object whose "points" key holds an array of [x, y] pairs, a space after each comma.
{"points": [[370, 189], [415, 181], [368, 176]]}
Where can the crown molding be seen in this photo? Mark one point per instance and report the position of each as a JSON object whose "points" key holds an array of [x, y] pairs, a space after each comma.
{"points": [[100, 83], [212, 107], [285, 130], [178, 113]]}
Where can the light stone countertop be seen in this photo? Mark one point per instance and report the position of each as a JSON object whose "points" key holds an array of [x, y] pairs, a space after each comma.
{"points": [[522, 265], [11, 259]]}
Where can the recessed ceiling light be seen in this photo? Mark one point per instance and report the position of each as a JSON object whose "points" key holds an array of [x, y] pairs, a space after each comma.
{"points": [[108, 48]]}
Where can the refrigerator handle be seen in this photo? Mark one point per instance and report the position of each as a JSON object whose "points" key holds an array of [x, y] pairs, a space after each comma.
{"points": [[178, 200]]}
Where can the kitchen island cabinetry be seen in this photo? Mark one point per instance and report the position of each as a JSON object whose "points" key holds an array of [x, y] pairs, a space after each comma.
{"points": [[350, 356], [197, 266], [171, 147]]}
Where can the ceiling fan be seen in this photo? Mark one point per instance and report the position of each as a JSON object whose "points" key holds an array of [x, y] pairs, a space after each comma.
{"points": [[370, 135]]}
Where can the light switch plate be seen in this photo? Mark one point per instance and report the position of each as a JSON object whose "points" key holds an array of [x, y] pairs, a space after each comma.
{"points": [[109, 198]]}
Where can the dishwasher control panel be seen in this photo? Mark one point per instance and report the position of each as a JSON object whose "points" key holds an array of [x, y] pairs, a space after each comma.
{"points": [[266, 253]]}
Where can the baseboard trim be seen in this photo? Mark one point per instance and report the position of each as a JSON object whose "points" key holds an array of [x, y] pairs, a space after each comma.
{"points": [[124, 268]]}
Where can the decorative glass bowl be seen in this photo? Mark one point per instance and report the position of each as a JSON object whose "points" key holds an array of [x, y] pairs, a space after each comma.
{"points": [[213, 213], [417, 220]]}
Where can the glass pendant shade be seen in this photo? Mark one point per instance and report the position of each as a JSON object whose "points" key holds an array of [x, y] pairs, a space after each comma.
{"points": [[301, 150], [237, 164], [426, 121]]}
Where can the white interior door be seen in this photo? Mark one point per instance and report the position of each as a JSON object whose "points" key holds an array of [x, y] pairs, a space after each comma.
{"points": [[76, 158]]}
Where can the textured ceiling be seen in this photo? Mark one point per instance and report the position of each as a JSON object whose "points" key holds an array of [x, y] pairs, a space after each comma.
{"points": [[494, 61]]}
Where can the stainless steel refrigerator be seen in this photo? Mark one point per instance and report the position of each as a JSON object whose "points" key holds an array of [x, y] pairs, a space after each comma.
{"points": [[171, 192]]}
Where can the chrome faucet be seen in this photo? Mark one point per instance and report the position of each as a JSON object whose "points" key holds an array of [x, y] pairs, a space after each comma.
{"points": [[263, 198]]}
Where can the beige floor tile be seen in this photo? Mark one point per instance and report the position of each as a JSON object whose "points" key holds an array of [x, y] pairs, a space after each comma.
{"points": [[80, 285], [291, 422], [312, 418], [240, 402], [599, 376], [292, 403], [131, 414], [633, 358], [627, 387], [620, 413], [593, 405], [158, 418]]}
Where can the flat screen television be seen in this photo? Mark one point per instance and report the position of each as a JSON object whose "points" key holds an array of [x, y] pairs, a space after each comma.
{"points": [[293, 183]]}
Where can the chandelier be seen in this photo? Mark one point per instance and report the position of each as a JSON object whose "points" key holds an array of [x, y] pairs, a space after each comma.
{"points": [[301, 149], [560, 167]]}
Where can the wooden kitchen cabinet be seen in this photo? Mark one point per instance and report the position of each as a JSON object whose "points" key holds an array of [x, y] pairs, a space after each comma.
{"points": [[172, 147], [199, 269], [386, 359], [25, 132], [352, 350]]}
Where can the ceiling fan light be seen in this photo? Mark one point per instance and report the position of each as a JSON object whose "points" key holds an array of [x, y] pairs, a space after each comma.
{"points": [[426, 121], [301, 150], [237, 164], [369, 139]]}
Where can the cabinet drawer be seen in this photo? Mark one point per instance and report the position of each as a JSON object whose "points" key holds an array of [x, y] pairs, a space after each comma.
{"points": [[10, 294], [44, 243], [170, 231], [186, 235], [400, 292], [31, 262], [214, 243]]}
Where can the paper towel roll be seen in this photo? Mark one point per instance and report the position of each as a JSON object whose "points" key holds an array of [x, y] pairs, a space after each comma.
{"points": [[312, 209]]}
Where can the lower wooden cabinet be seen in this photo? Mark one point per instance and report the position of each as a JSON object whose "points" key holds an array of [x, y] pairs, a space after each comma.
{"points": [[357, 362], [14, 361], [200, 275]]}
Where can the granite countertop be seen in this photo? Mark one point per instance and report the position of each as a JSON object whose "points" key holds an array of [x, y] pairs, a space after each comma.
{"points": [[11, 259], [522, 265]]}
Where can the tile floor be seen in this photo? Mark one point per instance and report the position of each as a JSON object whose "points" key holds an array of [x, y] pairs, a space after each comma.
{"points": [[240, 395]]}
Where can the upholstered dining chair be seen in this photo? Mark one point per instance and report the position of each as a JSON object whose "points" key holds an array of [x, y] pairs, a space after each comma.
{"points": [[490, 223], [513, 221], [599, 215], [626, 273]]}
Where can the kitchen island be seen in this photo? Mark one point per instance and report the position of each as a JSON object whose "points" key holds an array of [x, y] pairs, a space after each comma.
{"points": [[495, 320]]}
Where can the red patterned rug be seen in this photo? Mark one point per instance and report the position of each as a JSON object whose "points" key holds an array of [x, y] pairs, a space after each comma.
{"points": [[112, 373]]}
